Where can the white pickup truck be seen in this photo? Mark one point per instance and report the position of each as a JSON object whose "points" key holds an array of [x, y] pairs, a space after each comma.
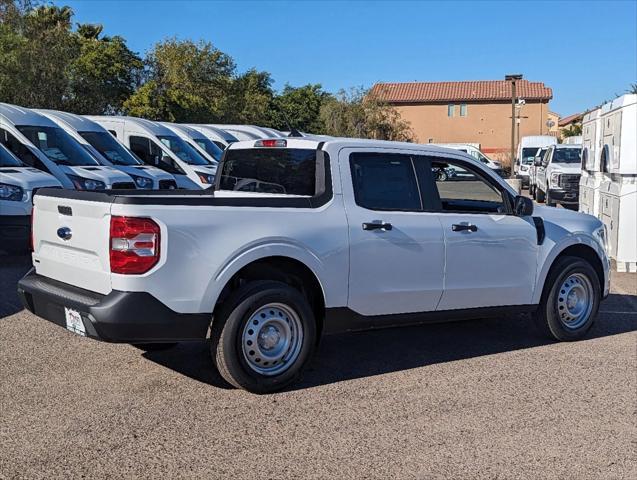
{"points": [[302, 237]]}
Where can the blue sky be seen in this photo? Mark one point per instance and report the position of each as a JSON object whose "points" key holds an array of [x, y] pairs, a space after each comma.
{"points": [[586, 51]]}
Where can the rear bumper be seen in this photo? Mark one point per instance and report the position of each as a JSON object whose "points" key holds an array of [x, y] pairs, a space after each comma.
{"points": [[14, 233], [121, 317], [564, 196]]}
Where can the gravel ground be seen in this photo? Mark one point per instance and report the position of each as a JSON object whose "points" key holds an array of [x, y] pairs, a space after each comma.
{"points": [[483, 399]]}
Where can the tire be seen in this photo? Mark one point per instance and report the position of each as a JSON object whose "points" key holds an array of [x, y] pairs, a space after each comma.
{"points": [[540, 196], [549, 201], [246, 357], [532, 191], [556, 316]]}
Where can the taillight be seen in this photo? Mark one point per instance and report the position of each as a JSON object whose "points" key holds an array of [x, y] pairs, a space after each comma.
{"points": [[134, 245]]}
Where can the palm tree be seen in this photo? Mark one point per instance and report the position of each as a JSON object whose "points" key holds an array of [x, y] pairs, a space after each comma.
{"points": [[632, 88]]}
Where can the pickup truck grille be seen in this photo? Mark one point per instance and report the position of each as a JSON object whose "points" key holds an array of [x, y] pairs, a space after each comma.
{"points": [[167, 185], [569, 181], [124, 186]]}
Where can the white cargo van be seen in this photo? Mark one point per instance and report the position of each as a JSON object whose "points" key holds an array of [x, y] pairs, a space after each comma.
{"points": [[108, 151], [18, 183], [527, 148], [250, 132], [159, 146], [219, 137], [38, 142], [197, 140]]}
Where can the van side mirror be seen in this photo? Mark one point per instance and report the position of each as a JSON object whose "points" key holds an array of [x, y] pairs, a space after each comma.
{"points": [[537, 162], [522, 206]]}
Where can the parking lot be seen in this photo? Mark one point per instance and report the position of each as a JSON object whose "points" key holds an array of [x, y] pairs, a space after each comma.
{"points": [[482, 399]]}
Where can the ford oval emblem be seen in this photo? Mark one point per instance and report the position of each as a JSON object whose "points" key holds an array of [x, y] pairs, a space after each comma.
{"points": [[65, 233]]}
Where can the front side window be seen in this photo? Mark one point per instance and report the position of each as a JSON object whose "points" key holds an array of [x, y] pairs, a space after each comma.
{"points": [[57, 145], [183, 151], [385, 181], [151, 154], [209, 147], [463, 189], [290, 171], [20, 150], [450, 108]]}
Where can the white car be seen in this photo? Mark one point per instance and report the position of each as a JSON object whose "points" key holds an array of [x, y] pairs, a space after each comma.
{"points": [[17, 186], [160, 147], [107, 150], [557, 177], [40, 143], [303, 237], [475, 153], [527, 148]]}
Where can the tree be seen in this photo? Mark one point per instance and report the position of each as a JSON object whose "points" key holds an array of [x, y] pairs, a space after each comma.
{"points": [[573, 130], [104, 74], [632, 89], [184, 82], [359, 114], [301, 107], [250, 99]]}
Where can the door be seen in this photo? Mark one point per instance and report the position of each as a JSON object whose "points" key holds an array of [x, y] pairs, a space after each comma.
{"points": [[491, 255], [396, 248]]}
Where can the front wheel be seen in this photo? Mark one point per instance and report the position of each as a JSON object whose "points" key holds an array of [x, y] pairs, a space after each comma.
{"points": [[263, 336], [570, 300], [540, 196]]}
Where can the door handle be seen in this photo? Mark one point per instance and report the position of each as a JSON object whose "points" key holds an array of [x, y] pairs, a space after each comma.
{"points": [[459, 227], [377, 226]]}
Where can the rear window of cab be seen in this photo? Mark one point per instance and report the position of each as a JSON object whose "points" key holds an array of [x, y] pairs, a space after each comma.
{"points": [[290, 171]]}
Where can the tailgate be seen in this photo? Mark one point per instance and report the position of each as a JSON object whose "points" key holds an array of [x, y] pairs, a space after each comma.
{"points": [[71, 241]]}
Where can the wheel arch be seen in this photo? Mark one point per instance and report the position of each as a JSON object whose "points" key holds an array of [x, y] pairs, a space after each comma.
{"points": [[587, 250]]}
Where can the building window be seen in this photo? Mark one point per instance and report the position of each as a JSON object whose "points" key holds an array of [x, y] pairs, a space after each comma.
{"points": [[463, 110], [450, 108]]}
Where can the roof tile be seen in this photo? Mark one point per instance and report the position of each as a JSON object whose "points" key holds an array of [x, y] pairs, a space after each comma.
{"points": [[423, 92]]}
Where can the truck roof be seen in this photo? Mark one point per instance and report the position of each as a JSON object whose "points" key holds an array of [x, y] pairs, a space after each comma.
{"points": [[24, 116], [191, 132], [76, 122]]}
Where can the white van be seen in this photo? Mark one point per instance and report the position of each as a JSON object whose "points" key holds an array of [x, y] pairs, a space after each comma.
{"points": [[219, 137], [197, 140], [249, 132], [159, 146], [38, 142], [527, 149], [475, 153], [108, 151], [18, 183]]}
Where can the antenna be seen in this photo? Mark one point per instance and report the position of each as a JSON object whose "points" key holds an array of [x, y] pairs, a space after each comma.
{"points": [[293, 131]]}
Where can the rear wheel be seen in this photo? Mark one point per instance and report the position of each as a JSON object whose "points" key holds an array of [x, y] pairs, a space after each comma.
{"points": [[263, 336], [570, 299]]}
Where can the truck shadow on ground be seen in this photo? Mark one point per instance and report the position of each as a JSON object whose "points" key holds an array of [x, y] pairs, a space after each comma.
{"points": [[365, 354]]}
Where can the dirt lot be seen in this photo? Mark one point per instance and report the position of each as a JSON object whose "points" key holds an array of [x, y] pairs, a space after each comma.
{"points": [[483, 399]]}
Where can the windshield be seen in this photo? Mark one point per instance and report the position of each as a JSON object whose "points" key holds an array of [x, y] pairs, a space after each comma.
{"points": [[567, 155], [7, 159], [540, 153], [183, 151], [211, 149], [528, 154], [110, 148], [58, 145], [270, 170]]}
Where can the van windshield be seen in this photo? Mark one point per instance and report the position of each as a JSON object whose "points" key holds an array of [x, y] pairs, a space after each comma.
{"points": [[211, 149], [528, 154], [110, 148], [567, 155], [57, 145], [7, 159], [183, 151], [289, 171]]}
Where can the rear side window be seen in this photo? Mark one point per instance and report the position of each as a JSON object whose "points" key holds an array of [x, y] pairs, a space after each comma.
{"points": [[385, 181], [290, 171]]}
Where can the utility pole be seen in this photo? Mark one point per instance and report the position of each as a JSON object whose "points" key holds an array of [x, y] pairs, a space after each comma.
{"points": [[512, 78]]}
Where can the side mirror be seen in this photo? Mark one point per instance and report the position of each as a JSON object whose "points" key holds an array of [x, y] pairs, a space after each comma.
{"points": [[522, 206], [537, 162]]}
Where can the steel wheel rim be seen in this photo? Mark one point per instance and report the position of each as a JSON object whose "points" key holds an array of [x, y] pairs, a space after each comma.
{"points": [[272, 338], [575, 301]]}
